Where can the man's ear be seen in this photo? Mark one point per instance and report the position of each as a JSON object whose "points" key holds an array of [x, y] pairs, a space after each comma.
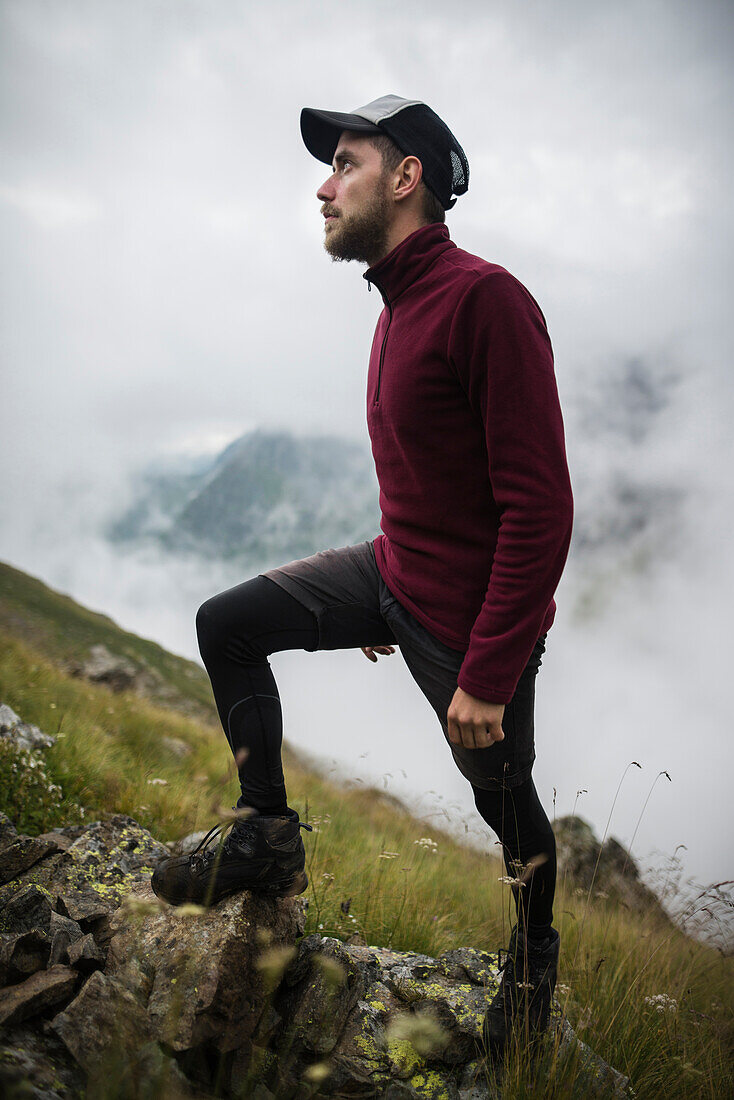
{"points": [[407, 177]]}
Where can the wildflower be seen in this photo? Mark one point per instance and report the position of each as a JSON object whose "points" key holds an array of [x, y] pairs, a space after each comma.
{"points": [[141, 907], [190, 910], [421, 1029], [510, 881], [273, 963], [317, 1072], [327, 877], [333, 971], [388, 855], [157, 782], [661, 1002], [426, 842]]}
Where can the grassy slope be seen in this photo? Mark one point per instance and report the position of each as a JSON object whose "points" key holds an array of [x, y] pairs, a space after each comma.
{"points": [[364, 852]]}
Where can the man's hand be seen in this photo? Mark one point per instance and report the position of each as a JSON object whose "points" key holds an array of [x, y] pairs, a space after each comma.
{"points": [[474, 723], [371, 651]]}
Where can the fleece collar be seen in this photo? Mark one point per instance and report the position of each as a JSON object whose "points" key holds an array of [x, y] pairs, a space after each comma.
{"points": [[409, 260]]}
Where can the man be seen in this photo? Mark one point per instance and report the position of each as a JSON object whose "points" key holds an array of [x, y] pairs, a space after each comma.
{"points": [[467, 437]]}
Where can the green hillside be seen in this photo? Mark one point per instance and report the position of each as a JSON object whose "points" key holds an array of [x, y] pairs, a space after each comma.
{"points": [[164, 761]]}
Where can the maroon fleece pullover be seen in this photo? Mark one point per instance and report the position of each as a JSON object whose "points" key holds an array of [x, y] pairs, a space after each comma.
{"points": [[468, 442]]}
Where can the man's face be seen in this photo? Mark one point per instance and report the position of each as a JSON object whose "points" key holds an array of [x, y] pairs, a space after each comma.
{"points": [[356, 203]]}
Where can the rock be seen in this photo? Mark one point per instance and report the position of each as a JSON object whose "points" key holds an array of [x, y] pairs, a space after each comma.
{"points": [[414, 1032], [178, 748], [600, 1078], [479, 967], [37, 993], [22, 734], [608, 870], [62, 840], [27, 910], [85, 956], [104, 1015], [327, 993], [474, 1083], [22, 853], [195, 969], [104, 862], [63, 933], [8, 831], [35, 1065], [118, 673], [103, 667], [22, 954], [83, 905], [186, 845]]}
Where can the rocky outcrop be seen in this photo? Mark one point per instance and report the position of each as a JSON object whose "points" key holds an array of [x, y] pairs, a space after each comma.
{"points": [[22, 734], [100, 980], [607, 869], [100, 977]]}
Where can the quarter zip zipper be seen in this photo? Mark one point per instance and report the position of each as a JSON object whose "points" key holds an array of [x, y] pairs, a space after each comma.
{"points": [[384, 340], [382, 354]]}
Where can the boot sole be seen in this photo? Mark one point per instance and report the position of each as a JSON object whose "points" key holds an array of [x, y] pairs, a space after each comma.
{"points": [[289, 889]]}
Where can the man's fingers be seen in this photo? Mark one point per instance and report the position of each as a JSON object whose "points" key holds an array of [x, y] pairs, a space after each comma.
{"points": [[371, 651], [454, 731], [467, 737], [473, 737], [487, 736]]}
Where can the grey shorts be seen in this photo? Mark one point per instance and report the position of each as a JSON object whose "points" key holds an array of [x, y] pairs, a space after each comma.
{"points": [[354, 607]]}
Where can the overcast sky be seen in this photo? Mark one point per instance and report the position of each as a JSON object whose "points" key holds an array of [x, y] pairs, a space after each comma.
{"points": [[164, 286], [163, 276]]}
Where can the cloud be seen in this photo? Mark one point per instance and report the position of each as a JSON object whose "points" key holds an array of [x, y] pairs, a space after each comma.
{"points": [[49, 209]]}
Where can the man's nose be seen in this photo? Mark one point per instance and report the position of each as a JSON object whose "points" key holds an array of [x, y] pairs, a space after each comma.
{"points": [[327, 191]]}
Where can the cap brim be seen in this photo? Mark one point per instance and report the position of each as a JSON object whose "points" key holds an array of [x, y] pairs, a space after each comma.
{"points": [[321, 130]]}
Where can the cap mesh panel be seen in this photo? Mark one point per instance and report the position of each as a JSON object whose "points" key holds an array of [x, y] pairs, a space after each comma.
{"points": [[419, 132]]}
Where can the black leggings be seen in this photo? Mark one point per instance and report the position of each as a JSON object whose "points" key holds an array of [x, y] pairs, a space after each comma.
{"points": [[237, 631]]}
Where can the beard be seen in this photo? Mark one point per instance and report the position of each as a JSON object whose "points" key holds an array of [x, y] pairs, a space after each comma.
{"points": [[362, 235]]}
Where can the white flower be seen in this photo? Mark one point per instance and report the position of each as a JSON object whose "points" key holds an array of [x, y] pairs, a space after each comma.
{"points": [[661, 1002], [157, 782], [388, 855], [426, 842]]}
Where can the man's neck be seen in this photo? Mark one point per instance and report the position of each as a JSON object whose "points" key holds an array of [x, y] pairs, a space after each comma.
{"points": [[398, 232]]}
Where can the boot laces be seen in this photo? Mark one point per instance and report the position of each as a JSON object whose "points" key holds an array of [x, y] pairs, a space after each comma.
{"points": [[207, 849]]}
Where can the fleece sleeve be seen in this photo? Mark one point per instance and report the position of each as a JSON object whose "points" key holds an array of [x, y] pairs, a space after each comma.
{"points": [[501, 352]]}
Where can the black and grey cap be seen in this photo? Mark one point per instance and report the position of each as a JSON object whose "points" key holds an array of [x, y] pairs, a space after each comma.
{"points": [[411, 124]]}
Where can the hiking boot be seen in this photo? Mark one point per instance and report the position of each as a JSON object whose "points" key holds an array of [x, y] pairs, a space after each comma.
{"points": [[522, 1002], [263, 854]]}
